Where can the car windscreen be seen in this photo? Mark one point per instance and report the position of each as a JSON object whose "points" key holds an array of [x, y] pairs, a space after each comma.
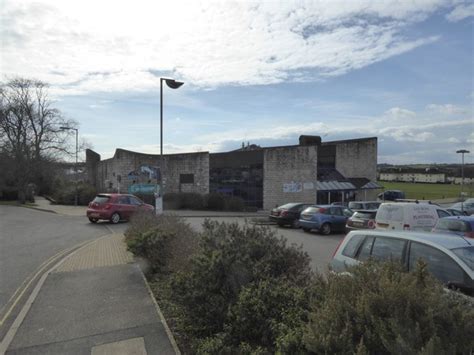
{"points": [[453, 225], [364, 215], [100, 199], [466, 254]]}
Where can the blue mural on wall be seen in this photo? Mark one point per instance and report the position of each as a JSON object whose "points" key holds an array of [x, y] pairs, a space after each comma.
{"points": [[145, 172]]}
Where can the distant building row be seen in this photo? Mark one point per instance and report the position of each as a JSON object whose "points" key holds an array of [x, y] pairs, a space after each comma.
{"points": [[434, 176], [312, 171]]}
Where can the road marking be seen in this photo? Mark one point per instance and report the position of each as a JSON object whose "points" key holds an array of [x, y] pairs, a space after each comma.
{"points": [[6, 341]]}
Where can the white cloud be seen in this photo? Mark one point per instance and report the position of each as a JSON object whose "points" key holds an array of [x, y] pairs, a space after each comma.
{"points": [[446, 109], [461, 12], [91, 46]]}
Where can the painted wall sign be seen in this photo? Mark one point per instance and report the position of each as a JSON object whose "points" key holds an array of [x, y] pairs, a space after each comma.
{"points": [[145, 189], [293, 187], [145, 172]]}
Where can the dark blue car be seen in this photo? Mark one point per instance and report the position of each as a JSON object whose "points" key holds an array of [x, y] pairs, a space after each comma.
{"points": [[325, 218], [459, 225]]}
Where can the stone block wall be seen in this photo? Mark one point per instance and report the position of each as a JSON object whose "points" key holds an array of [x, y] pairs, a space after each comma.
{"points": [[290, 175], [110, 171], [357, 158]]}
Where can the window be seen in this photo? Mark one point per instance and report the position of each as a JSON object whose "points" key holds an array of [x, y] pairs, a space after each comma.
{"points": [[352, 245], [466, 254], [335, 211], [442, 213], [453, 225], [123, 200], [100, 199], [388, 249], [347, 212], [390, 213], [186, 178], [134, 201], [366, 249], [439, 264]]}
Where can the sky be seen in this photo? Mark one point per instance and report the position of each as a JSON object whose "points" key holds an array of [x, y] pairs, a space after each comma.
{"points": [[262, 72]]}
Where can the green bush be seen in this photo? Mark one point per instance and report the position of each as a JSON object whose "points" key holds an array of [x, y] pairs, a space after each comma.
{"points": [[379, 309], [215, 201], [172, 201], [192, 201], [64, 194], [236, 272], [234, 204], [165, 241]]}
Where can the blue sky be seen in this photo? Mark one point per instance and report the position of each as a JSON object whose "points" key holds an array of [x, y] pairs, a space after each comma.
{"points": [[260, 72]]}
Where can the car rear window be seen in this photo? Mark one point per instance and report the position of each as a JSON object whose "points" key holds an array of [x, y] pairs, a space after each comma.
{"points": [[100, 199], [355, 205], [373, 205], [288, 206], [466, 254], [352, 245], [390, 213], [315, 210], [453, 225], [364, 215]]}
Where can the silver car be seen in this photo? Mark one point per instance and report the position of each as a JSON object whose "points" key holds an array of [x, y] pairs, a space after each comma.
{"points": [[449, 258]]}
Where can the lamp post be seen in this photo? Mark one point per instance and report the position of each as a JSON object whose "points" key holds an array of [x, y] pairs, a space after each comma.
{"points": [[172, 84], [462, 152], [64, 128]]}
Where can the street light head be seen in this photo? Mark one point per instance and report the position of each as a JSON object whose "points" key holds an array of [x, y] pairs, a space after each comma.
{"points": [[173, 84], [63, 128], [462, 151]]}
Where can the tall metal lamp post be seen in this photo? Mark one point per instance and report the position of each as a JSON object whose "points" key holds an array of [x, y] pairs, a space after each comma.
{"points": [[65, 128], [462, 152], [172, 84]]}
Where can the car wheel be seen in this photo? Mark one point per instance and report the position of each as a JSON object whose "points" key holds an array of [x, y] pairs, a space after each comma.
{"points": [[115, 218], [93, 220], [325, 229], [307, 230]]}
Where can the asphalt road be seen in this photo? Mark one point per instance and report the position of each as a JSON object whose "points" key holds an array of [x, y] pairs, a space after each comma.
{"points": [[29, 237]]}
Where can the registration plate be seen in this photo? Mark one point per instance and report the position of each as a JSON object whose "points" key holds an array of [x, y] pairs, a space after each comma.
{"points": [[94, 215]]}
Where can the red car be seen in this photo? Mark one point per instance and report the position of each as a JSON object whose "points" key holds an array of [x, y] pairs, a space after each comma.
{"points": [[115, 207]]}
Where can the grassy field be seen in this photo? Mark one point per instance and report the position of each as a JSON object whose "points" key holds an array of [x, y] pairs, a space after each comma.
{"points": [[428, 191]]}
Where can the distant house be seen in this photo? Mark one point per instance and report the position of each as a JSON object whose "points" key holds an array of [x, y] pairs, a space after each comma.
{"points": [[432, 176]]}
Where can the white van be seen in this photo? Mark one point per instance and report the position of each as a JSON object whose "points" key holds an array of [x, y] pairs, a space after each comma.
{"points": [[408, 216]]}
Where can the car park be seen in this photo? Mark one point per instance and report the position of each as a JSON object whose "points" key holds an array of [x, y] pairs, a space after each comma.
{"points": [[364, 205], [449, 258], [391, 195], [466, 206], [325, 218], [288, 214], [115, 207], [459, 225], [361, 220], [408, 216]]}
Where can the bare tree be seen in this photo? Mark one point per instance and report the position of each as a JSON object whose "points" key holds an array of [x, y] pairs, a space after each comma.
{"points": [[29, 129]]}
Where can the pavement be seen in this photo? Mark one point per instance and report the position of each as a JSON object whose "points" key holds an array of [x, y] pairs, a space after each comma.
{"points": [[93, 301]]}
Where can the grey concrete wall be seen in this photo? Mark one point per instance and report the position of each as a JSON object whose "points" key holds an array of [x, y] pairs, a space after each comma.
{"points": [[125, 161], [357, 158], [289, 175]]}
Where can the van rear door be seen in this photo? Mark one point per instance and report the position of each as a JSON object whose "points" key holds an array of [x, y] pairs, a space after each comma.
{"points": [[389, 216]]}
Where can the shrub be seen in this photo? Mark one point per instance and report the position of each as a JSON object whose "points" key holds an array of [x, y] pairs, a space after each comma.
{"points": [[234, 203], [192, 201], [165, 241], [215, 201], [380, 309], [234, 263], [172, 201], [65, 194]]}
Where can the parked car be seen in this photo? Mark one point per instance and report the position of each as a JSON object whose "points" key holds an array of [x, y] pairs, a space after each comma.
{"points": [[325, 218], [466, 206], [391, 195], [361, 220], [408, 216], [115, 207], [455, 212], [364, 205], [450, 259], [288, 214], [459, 225]]}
